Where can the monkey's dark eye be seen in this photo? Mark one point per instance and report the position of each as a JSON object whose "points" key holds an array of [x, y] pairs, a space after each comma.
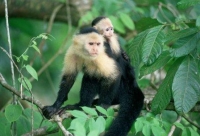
{"points": [[107, 29], [90, 43], [98, 44]]}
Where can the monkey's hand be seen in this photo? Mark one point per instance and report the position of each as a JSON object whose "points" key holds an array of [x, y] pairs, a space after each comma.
{"points": [[68, 107], [49, 111], [125, 56]]}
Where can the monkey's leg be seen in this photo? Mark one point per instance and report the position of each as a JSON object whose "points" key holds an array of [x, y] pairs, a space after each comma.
{"points": [[108, 92], [130, 107]]}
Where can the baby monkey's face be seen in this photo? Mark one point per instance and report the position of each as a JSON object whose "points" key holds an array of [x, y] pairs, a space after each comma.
{"points": [[108, 32]]}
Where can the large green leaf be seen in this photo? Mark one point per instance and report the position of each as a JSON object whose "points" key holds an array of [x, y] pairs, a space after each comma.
{"points": [[146, 23], [185, 45], [134, 50], [183, 4], [164, 94], [127, 21], [173, 36], [186, 86], [160, 62], [23, 126], [118, 25], [153, 45]]}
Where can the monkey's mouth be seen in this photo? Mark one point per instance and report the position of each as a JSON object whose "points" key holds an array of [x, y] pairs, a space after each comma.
{"points": [[94, 54]]}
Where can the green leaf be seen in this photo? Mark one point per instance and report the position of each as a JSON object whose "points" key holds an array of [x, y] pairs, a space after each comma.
{"points": [[4, 125], [13, 112], [26, 83], [179, 125], [193, 132], [109, 121], [78, 114], [101, 110], [186, 85], [153, 45], [183, 4], [134, 50], [127, 21], [23, 125], [198, 21], [90, 111], [110, 112], [86, 19], [118, 25], [101, 123], [92, 125], [79, 129], [158, 131], [185, 45], [186, 132], [36, 48], [146, 130], [75, 121], [171, 37], [25, 57], [138, 126], [36, 116], [160, 62], [93, 133], [32, 71], [164, 93], [146, 23]]}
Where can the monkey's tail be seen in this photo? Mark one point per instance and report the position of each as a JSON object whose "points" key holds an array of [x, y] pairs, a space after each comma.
{"points": [[130, 107]]}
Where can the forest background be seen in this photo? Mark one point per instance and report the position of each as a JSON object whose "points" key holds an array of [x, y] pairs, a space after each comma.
{"points": [[161, 37]]}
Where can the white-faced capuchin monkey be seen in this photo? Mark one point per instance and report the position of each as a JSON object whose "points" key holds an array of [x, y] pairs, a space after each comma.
{"points": [[103, 76], [101, 73]]}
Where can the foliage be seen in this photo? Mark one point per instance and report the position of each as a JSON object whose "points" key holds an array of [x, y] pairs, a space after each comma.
{"points": [[157, 35]]}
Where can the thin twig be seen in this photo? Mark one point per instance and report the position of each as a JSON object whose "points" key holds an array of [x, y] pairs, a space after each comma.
{"points": [[174, 127], [190, 121], [59, 122], [14, 131], [41, 131], [9, 42]]}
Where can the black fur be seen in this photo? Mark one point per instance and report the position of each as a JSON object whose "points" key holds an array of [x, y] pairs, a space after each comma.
{"points": [[97, 20], [87, 30]]}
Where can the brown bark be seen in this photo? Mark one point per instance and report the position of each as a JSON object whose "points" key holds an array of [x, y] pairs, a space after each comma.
{"points": [[42, 9]]}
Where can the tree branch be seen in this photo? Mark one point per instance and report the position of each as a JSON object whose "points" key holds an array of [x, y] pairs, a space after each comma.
{"points": [[190, 121], [37, 9], [16, 92], [41, 131], [174, 127]]}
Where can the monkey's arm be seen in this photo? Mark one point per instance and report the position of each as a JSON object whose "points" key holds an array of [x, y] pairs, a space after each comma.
{"points": [[65, 86]]}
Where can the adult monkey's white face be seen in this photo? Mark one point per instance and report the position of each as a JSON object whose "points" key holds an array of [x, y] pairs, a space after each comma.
{"points": [[89, 46]]}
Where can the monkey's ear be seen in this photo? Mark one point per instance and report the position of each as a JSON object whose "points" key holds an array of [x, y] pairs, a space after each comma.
{"points": [[76, 40]]}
